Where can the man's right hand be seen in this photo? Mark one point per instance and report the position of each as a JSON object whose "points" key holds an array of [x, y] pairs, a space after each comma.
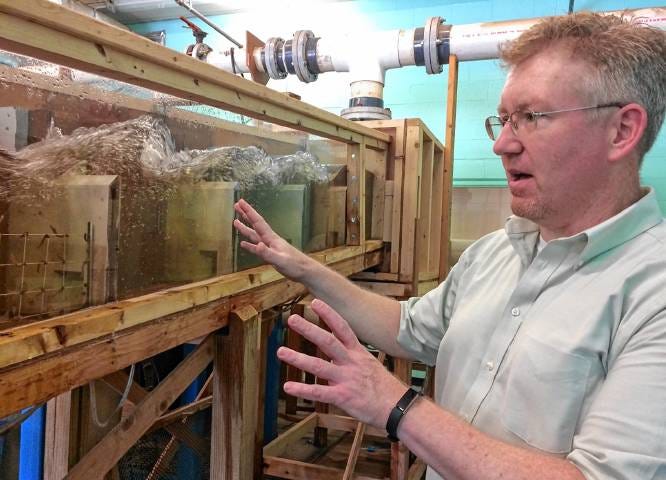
{"points": [[268, 245]]}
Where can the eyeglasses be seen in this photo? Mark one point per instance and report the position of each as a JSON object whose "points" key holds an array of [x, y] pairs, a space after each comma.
{"points": [[527, 120]]}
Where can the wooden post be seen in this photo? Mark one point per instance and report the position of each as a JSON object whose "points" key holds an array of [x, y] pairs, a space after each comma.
{"points": [[410, 202], [235, 390], [355, 200], [56, 443], [294, 341], [451, 103], [399, 453]]}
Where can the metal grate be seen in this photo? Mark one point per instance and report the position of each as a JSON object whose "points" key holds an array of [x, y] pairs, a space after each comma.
{"points": [[36, 272]]}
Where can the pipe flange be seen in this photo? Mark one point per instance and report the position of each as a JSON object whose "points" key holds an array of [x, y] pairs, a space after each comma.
{"points": [[300, 57], [366, 113], [430, 33], [271, 52]]}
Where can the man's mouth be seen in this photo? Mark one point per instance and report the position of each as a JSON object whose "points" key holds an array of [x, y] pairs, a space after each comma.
{"points": [[515, 175], [520, 176]]}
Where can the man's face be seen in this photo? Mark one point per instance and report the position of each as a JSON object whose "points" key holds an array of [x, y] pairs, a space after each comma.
{"points": [[555, 166]]}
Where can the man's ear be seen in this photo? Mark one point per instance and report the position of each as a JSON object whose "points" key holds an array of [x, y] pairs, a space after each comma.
{"points": [[627, 128]]}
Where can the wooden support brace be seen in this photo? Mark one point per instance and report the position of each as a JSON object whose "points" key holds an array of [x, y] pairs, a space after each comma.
{"points": [[101, 458], [388, 289], [137, 394], [278, 446], [417, 470], [235, 389], [286, 468]]}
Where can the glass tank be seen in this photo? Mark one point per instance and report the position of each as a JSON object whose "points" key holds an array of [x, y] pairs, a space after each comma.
{"points": [[110, 190]]}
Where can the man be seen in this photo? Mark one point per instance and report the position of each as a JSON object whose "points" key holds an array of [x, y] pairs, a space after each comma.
{"points": [[549, 337]]}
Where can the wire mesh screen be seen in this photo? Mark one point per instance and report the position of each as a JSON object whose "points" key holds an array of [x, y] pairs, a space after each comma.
{"points": [[160, 455], [38, 280]]}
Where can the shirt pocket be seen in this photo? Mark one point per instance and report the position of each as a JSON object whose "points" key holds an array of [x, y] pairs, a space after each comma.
{"points": [[544, 395]]}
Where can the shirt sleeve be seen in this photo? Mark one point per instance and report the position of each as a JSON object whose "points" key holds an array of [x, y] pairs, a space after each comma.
{"points": [[424, 320], [623, 435]]}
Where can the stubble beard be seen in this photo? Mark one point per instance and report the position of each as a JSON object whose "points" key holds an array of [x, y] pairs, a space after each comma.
{"points": [[531, 209]]}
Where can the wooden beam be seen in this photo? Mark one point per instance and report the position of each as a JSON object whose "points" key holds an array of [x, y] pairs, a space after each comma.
{"points": [[451, 106], [346, 424], [410, 202], [399, 461], [375, 276], [235, 391], [101, 459], [278, 446], [293, 469], [388, 289], [399, 453], [57, 34], [183, 413], [56, 441], [25, 342], [137, 394], [36, 381], [417, 470]]}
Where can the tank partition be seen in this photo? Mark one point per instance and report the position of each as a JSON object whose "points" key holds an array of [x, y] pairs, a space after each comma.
{"points": [[168, 103]]}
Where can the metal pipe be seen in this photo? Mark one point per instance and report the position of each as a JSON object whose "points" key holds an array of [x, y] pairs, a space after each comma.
{"points": [[199, 15]]}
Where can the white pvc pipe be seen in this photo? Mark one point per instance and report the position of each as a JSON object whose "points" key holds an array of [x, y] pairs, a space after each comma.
{"points": [[481, 41], [223, 60], [368, 56]]}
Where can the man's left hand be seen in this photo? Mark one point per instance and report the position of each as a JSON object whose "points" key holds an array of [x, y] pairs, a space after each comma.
{"points": [[357, 382]]}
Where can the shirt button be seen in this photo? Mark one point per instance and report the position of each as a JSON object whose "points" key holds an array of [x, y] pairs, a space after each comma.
{"points": [[490, 365], [515, 311]]}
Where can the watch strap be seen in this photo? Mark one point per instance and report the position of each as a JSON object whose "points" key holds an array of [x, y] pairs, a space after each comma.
{"points": [[406, 401]]}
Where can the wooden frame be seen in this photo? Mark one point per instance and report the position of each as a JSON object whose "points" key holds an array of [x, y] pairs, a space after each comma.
{"points": [[417, 198], [54, 356]]}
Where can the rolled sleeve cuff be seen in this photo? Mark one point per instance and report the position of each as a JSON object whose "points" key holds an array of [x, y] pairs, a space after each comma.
{"points": [[411, 334]]}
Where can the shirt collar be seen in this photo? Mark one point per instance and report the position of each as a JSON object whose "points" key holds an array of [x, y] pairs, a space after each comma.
{"points": [[523, 235], [629, 223]]}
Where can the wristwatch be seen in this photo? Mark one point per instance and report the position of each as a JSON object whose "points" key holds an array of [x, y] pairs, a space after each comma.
{"points": [[405, 402]]}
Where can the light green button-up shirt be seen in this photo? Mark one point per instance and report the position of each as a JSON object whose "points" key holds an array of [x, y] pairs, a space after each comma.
{"points": [[563, 350]]}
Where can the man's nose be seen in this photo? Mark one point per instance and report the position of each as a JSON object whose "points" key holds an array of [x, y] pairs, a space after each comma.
{"points": [[507, 142]]}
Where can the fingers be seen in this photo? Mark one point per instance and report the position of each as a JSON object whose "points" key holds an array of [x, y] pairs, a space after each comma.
{"points": [[316, 366], [336, 323], [314, 392], [246, 231], [256, 221], [326, 341]]}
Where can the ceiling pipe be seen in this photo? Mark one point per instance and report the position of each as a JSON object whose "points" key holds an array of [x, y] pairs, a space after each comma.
{"points": [[201, 16], [368, 56]]}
